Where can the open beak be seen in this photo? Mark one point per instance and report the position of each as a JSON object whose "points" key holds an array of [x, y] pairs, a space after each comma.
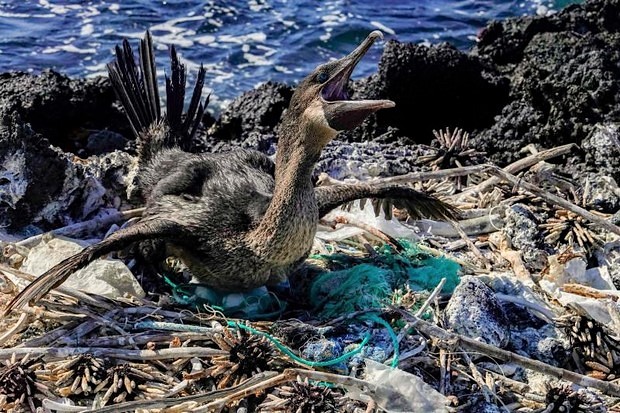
{"points": [[340, 112]]}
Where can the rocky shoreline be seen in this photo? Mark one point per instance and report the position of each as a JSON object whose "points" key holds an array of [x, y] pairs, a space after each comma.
{"points": [[545, 81]]}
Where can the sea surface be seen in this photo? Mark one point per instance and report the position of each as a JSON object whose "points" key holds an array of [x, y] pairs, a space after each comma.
{"points": [[242, 43]]}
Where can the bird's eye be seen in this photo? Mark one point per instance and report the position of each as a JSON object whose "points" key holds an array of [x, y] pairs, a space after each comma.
{"points": [[322, 77]]}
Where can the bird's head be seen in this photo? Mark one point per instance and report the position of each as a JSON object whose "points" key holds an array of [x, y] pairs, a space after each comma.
{"points": [[321, 102]]}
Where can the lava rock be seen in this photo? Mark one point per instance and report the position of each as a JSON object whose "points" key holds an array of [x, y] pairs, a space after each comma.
{"points": [[602, 194], [540, 343], [505, 41], [602, 150], [521, 228], [104, 141], [59, 108], [433, 88], [32, 174], [363, 160], [43, 186], [116, 171], [474, 311], [258, 110], [564, 71]]}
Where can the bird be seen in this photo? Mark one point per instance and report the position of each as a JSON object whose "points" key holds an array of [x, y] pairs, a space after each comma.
{"points": [[237, 220]]}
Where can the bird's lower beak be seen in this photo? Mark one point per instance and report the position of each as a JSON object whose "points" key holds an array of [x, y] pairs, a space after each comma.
{"points": [[341, 112]]}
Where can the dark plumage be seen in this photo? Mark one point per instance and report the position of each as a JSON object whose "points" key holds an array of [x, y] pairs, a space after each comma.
{"points": [[237, 220]]}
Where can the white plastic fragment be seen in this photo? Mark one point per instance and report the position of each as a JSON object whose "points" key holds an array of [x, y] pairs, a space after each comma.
{"points": [[395, 390], [574, 272], [366, 216], [107, 277]]}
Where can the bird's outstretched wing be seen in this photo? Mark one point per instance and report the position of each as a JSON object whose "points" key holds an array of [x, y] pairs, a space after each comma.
{"points": [[149, 228], [384, 196]]}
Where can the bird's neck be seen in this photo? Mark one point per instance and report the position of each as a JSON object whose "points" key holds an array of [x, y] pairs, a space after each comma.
{"points": [[287, 229]]}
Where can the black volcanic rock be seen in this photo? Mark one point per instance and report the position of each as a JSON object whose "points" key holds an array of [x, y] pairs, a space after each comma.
{"points": [[258, 110], [60, 108], [602, 150], [505, 41], [565, 77], [433, 87], [32, 173], [42, 187]]}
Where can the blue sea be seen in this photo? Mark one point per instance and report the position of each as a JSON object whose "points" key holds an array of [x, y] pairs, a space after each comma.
{"points": [[242, 43]]}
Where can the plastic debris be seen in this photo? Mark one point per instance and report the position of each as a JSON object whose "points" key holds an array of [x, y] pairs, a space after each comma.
{"points": [[395, 390], [565, 277], [370, 283], [251, 305], [107, 277]]}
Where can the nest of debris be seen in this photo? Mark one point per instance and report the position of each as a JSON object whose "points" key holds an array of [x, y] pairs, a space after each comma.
{"points": [[512, 308]]}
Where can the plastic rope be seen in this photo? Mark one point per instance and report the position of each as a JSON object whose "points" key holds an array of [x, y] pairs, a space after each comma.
{"points": [[391, 333], [294, 356]]}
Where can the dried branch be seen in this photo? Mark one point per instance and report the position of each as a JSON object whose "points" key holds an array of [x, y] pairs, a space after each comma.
{"points": [[518, 166], [556, 200], [141, 355]]}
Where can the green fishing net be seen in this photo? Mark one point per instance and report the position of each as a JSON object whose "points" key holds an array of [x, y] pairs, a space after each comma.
{"points": [[366, 283]]}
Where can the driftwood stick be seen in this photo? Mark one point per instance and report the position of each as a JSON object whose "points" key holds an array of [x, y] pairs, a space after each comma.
{"points": [[556, 200], [507, 356], [90, 225], [434, 175], [139, 339], [422, 309], [483, 260], [472, 226], [519, 165], [64, 352]]}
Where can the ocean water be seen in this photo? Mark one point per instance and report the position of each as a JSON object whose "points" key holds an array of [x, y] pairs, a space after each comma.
{"points": [[242, 43]]}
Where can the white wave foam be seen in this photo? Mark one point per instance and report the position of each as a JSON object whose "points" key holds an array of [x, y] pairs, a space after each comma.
{"points": [[87, 29], [68, 48], [244, 38]]}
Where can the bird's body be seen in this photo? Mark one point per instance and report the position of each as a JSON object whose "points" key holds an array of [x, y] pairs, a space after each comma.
{"points": [[237, 220], [219, 201]]}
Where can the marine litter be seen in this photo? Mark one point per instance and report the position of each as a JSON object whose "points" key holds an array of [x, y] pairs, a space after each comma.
{"points": [[512, 308]]}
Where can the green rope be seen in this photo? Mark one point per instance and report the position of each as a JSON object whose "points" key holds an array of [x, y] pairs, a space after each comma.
{"points": [[294, 356], [391, 333]]}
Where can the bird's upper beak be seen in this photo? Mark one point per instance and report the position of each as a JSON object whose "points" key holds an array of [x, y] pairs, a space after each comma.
{"points": [[340, 112]]}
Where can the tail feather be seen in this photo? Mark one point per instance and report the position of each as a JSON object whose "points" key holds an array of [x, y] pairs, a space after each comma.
{"points": [[175, 93], [149, 72], [198, 120], [121, 82], [196, 109], [136, 88], [55, 276]]}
